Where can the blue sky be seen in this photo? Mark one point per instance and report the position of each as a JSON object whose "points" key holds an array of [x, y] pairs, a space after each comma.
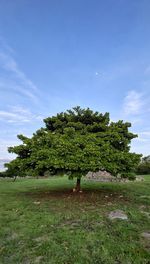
{"points": [[58, 54]]}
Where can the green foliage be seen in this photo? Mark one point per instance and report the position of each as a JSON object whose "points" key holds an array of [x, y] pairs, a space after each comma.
{"points": [[73, 143], [130, 175], [144, 166]]}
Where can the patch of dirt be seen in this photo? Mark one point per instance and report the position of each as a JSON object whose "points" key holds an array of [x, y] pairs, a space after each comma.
{"points": [[73, 224], [41, 239], [146, 239], [13, 236], [91, 196], [26, 261], [38, 259], [146, 235]]}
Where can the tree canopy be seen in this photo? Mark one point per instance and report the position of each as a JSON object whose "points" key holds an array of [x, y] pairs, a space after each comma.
{"points": [[75, 142]]}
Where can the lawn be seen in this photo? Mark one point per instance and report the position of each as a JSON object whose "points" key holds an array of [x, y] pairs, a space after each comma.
{"points": [[43, 221]]}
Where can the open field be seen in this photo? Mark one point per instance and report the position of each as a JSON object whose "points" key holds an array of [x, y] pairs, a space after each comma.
{"points": [[43, 221]]}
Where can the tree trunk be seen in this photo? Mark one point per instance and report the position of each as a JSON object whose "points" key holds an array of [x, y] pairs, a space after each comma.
{"points": [[14, 179], [78, 185]]}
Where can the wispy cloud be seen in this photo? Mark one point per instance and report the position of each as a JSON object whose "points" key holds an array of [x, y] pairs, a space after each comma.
{"points": [[145, 133], [133, 103], [4, 146], [9, 64], [143, 136], [140, 139], [4, 46], [18, 114], [10, 85], [14, 78]]}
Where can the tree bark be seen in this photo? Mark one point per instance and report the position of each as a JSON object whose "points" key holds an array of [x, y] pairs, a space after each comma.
{"points": [[14, 179], [78, 185]]}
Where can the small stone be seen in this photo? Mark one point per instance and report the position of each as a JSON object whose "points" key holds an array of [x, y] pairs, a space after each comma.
{"points": [[117, 214], [36, 202], [142, 207], [139, 178], [146, 235], [109, 203]]}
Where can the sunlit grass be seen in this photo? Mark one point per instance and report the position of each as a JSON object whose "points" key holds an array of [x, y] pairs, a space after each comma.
{"points": [[43, 221]]}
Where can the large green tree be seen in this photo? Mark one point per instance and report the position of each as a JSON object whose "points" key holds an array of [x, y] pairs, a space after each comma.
{"points": [[73, 143]]}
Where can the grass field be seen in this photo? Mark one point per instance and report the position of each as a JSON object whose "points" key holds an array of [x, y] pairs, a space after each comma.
{"points": [[43, 221]]}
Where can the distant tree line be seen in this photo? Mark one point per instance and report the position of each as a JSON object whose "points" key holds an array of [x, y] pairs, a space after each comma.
{"points": [[144, 166]]}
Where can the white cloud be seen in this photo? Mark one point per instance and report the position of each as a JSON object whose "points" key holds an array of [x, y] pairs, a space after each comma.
{"points": [[11, 86], [143, 136], [4, 146], [13, 78], [18, 114], [14, 117], [2, 162], [9, 64], [4, 155], [145, 133], [140, 139], [133, 103], [141, 145], [4, 45]]}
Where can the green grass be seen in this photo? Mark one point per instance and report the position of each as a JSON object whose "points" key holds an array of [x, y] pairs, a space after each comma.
{"points": [[43, 221]]}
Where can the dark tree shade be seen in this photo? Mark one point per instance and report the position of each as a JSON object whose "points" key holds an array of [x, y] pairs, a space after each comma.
{"points": [[75, 142]]}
